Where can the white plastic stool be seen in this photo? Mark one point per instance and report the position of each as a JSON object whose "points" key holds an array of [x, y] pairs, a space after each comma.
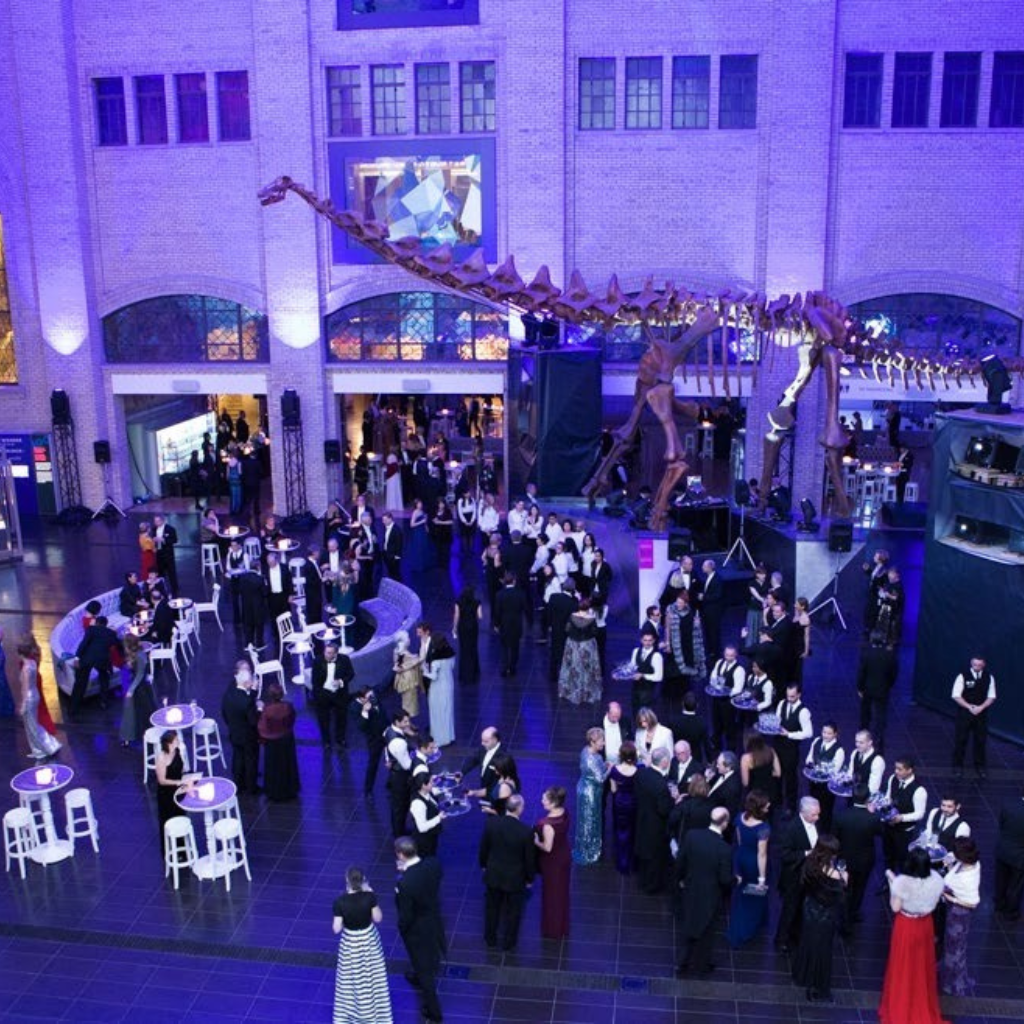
{"points": [[229, 843], [228, 810], [206, 736], [911, 492], [19, 837], [84, 822], [211, 560], [254, 549], [33, 803], [179, 841]]}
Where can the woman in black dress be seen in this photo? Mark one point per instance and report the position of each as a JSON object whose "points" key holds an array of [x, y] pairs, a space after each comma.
{"points": [[361, 993], [824, 885], [506, 785], [277, 734], [466, 629], [170, 769]]}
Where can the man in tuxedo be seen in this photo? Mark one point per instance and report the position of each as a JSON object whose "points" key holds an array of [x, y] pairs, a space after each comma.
{"points": [[704, 873], [726, 787], [332, 679], [418, 902], [425, 636], [507, 858], [876, 676], [398, 758], [683, 577], [165, 537], [601, 578], [616, 731], [279, 586], [391, 547], [427, 817], [366, 555], [93, 652], [130, 598], [519, 560], [164, 618], [313, 585], [857, 829], [490, 744], [252, 592], [560, 607], [691, 727], [238, 709], [652, 620], [683, 766], [798, 838], [1010, 860], [653, 807], [236, 563], [509, 612], [372, 722], [712, 606], [974, 692]]}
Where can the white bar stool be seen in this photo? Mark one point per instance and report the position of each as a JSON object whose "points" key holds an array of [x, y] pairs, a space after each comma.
{"points": [[228, 810], [33, 803], [81, 818], [254, 549], [19, 837], [206, 736], [211, 560], [179, 842], [229, 843]]}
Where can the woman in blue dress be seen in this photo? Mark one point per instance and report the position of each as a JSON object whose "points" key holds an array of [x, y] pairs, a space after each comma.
{"points": [[589, 794], [420, 550], [750, 909], [440, 673]]}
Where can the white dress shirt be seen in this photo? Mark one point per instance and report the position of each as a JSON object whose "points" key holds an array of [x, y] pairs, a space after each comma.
{"points": [[958, 687], [812, 831], [920, 798], [739, 675], [418, 810], [877, 769], [818, 748], [806, 730], [398, 751], [937, 822], [657, 665], [768, 691], [517, 520], [487, 518], [331, 682], [274, 575]]}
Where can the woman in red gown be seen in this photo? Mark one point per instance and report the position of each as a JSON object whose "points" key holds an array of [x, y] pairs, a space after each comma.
{"points": [[910, 993], [554, 860]]}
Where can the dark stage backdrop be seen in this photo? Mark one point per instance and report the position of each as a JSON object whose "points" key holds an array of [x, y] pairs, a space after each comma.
{"points": [[555, 418], [971, 604]]}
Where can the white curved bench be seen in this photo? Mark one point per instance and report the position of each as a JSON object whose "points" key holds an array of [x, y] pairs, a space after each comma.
{"points": [[395, 607], [68, 633]]}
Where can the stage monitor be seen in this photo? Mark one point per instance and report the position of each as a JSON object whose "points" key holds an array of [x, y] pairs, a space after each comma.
{"points": [[1006, 457], [980, 451]]}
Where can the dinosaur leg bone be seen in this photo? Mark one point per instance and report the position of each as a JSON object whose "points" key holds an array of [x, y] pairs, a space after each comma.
{"points": [[661, 398], [624, 440]]}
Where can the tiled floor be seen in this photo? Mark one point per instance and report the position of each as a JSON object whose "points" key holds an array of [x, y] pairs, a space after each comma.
{"points": [[104, 938]]}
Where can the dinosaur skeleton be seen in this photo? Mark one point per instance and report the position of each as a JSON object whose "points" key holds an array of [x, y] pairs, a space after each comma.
{"points": [[674, 321]]}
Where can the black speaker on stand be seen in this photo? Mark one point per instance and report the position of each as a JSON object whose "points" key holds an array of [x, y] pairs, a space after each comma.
{"points": [[69, 484], [109, 510], [298, 516]]}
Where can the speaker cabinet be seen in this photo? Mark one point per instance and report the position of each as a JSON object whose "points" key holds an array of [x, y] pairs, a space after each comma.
{"points": [[60, 406], [332, 452], [291, 408], [840, 536], [101, 452]]}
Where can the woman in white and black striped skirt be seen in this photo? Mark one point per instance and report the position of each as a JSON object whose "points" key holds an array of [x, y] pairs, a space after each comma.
{"points": [[361, 993]]}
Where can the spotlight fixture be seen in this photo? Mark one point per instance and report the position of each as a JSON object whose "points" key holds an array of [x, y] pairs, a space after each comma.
{"points": [[998, 381], [809, 523], [780, 501]]}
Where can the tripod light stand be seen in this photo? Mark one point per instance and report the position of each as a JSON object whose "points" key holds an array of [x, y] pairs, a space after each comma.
{"points": [[742, 496], [832, 601]]}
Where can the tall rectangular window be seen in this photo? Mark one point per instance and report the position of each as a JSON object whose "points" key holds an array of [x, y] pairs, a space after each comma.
{"points": [[111, 123], [961, 75], [911, 88], [597, 93], [388, 85], [344, 101], [433, 99], [233, 105], [1007, 107], [862, 99], [477, 83], [737, 95], [151, 109], [8, 363], [193, 118], [643, 92], [691, 90]]}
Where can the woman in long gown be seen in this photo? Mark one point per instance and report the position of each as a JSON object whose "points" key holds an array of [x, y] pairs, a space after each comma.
{"points": [[170, 769], [147, 551], [420, 551], [139, 702], [823, 885], [554, 862], [440, 672], [579, 677], [910, 993], [759, 766], [441, 529], [361, 994], [750, 909], [408, 674], [276, 727], [466, 630], [589, 800], [962, 895], [41, 743], [494, 569], [623, 779], [393, 484]]}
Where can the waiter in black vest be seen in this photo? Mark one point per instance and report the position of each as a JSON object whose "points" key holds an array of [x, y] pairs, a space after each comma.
{"points": [[648, 670], [398, 758], [795, 723], [730, 677], [909, 800], [974, 692]]}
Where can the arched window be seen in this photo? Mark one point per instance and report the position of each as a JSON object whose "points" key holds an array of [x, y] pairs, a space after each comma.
{"points": [[942, 325], [8, 365], [186, 329], [416, 327]]}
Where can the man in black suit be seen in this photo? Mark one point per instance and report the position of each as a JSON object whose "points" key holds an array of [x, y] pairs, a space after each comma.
{"points": [[1010, 860], [93, 653], [165, 537], [129, 600], [799, 837], [683, 766], [560, 607], [372, 723], [391, 546], [236, 563], [876, 676], [252, 596], [712, 607], [509, 611], [519, 560], [313, 585], [238, 709], [857, 828], [418, 902], [279, 586], [508, 860], [164, 618], [726, 788], [691, 727], [601, 578], [490, 743], [366, 544], [653, 807], [332, 679], [704, 873]]}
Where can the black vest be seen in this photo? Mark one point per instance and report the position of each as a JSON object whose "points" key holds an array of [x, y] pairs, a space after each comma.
{"points": [[861, 768], [391, 733], [790, 717], [727, 672], [903, 798], [947, 834], [236, 560], [819, 753], [426, 842], [645, 661], [756, 687], [975, 690]]}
